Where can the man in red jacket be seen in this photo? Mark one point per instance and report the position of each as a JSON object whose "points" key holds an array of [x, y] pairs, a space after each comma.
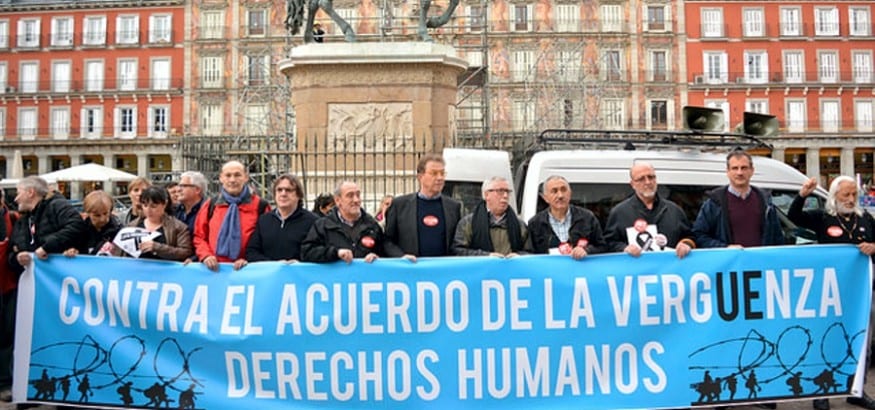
{"points": [[225, 223]]}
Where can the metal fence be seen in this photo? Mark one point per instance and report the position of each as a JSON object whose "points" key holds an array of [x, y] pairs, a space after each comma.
{"points": [[381, 165]]}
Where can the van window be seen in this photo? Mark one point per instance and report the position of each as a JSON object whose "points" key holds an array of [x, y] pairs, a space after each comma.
{"points": [[465, 191], [601, 198]]}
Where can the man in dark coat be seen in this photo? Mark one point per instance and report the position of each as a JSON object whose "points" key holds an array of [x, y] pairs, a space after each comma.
{"points": [[493, 229], [642, 212], [47, 224], [347, 232], [423, 223], [563, 228]]}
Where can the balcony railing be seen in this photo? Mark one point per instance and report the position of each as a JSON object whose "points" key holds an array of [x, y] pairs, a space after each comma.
{"points": [[107, 85]]}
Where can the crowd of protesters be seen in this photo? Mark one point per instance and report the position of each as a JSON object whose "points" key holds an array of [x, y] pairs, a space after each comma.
{"points": [[236, 226]]}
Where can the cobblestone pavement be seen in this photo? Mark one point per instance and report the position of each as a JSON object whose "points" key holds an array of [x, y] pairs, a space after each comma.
{"points": [[835, 404]]}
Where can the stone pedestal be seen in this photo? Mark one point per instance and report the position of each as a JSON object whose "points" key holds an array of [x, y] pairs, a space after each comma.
{"points": [[362, 89]]}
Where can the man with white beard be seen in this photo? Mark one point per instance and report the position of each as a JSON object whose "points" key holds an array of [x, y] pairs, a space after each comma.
{"points": [[843, 221]]}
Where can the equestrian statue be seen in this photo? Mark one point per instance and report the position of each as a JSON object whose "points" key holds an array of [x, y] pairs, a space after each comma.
{"points": [[295, 18]]}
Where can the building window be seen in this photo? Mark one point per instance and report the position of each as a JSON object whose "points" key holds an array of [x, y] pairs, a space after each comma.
{"points": [[864, 111], [757, 106], [161, 74], [611, 18], [658, 65], [61, 76], [860, 22], [127, 30], [212, 24], [92, 122], [612, 114], [756, 68], [159, 29], [4, 33], [523, 115], [158, 121], [27, 123], [655, 18], [4, 80], [257, 22], [568, 17], [523, 64], [568, 68], [62, 31], [754, 23], [126, 122], [794, 67], [612, 66], [127, 74], [828, 66], [60, 122], [712, 23], [829, 115], [94, 75], [28, 81], [716, 67], [791, 21], [795, 116], [211, 119], [862, 66], [658, 114], [826, 21], [211, 72], [28, 33], [256, 120], [258, 70], [521, 17], [95, 31]]}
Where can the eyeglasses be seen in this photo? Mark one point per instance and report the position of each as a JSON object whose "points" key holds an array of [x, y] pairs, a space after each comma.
{"points": [[643, 178], [186, 185], [500, 191], [436, 173]]}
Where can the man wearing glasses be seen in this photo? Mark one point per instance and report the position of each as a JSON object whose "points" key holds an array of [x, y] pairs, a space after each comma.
{"points": [[564, 229], [646, 221], [493, 229], [192, 188], [423, 223]]}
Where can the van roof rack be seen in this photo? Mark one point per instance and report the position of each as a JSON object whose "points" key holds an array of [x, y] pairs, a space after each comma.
{"points": [[646, 139]]}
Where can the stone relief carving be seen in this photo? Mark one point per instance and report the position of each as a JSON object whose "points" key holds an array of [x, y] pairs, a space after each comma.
{"points": [[393, 120]]}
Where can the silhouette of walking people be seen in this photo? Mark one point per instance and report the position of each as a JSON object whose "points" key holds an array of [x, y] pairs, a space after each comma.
{"points": [[186, 398], [709, 388], [65, 387], [825, 381], [84, 388], [157, 395], [124, 392], [795, 383], [731, 383], [753, 386], [44, 386]]}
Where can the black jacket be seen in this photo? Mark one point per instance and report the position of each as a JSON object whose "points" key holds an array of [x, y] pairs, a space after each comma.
{"points": [[668, 217], [277, 239], [92, 239], [56, 227], [329, 234], [402, 235], [584, 226]]}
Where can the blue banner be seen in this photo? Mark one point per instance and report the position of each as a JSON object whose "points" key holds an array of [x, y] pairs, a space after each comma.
{"points": [[610, 331]]}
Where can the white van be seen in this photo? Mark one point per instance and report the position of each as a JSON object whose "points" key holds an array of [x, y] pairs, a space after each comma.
{"points": [[600, 179]]}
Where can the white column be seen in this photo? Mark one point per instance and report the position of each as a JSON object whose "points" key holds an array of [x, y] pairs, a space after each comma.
{"points": [[846, 166], [42, 166], [75, 187], [143, 165], [779, 154], [812, 165]]}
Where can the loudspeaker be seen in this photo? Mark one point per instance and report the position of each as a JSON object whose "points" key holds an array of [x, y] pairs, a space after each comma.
{"points": [[703, 119], [760, 125]]}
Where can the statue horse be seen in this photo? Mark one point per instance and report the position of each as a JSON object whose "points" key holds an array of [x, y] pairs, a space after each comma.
{"points": [[295, 18], [426, 22]]}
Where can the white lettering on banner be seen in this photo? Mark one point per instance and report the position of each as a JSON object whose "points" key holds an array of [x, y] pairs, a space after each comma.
{"points": [[97, 304], [373, 308], [232, 310], [624, 367], [349, 376], [778, 294]]}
